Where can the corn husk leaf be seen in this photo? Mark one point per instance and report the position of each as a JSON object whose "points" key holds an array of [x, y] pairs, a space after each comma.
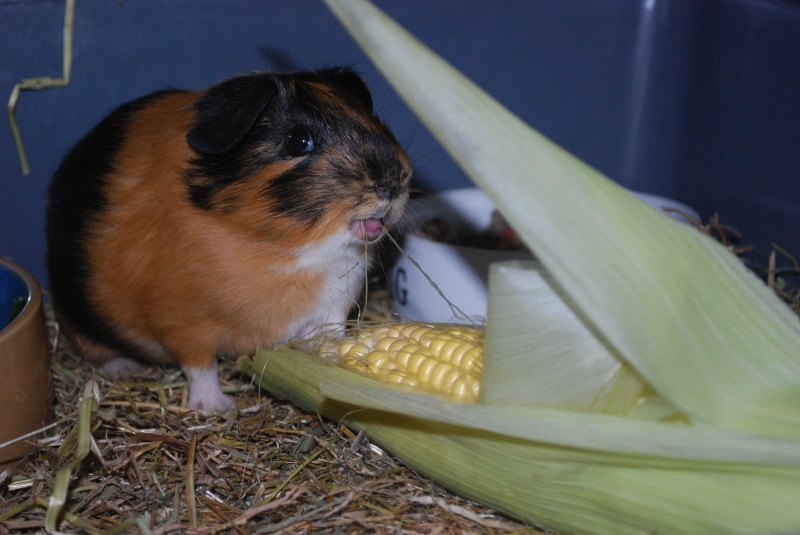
{"points": [[678, 307], [605, 433], [571, 368], [669, 320], [562, 470]]}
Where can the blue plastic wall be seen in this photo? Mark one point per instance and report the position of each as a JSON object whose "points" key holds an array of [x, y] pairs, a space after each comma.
{"points": [[697, 99], [740, 150]]}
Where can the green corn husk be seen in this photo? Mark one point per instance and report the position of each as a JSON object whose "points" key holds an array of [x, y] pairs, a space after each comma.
{"points": [[677, 306], [573, 370], [639, 380], [566, 471]]}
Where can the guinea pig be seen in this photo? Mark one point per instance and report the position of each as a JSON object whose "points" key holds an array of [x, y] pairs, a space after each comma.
{"points": [[190, 225]]}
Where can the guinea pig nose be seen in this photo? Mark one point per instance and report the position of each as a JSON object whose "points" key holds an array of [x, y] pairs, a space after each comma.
{"points": [[382, 192]]}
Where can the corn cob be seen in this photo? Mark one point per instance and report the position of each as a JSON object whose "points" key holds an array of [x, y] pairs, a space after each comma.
{"points": [[446, 359]]}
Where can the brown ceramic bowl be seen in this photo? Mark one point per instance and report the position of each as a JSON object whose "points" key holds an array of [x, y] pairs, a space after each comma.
{"points": [[26, 398]]}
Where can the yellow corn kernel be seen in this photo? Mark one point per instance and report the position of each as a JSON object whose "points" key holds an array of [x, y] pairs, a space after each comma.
{"points": [[397, 345], [415, 361], [445, 358], [436, 376], [401, 357], [384, 342], [355, 362], [412, 328], [380, 360], [426, 368], [358, 350], [436, 344], [345, 346]]}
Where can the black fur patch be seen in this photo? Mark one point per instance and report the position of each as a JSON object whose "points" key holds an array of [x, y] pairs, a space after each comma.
{"points": [[288, 191], [238, 101], [76, 199], [295, 104], [306, 191], [211, 174], [228, 111], [349, 83], [383, 168]]}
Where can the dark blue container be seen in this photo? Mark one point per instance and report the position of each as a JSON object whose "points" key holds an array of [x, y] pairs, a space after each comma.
{"points": [[14, 294], [26, 397]]}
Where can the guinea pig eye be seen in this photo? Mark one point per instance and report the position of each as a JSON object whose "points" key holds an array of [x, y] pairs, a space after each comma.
{"points": [[299, 141]]}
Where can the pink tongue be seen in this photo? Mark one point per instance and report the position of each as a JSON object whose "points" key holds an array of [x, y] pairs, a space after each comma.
{"points": [[367, 229]]}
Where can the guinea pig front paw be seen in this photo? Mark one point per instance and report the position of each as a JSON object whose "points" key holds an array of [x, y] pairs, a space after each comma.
{"points": [[205, 393], [122, 368], [215, 404]]}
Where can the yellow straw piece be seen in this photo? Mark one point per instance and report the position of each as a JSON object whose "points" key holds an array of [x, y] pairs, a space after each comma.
{"points": [[41, 82]]}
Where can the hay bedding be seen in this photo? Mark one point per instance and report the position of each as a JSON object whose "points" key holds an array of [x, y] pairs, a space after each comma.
{"points": [[272, 468]]}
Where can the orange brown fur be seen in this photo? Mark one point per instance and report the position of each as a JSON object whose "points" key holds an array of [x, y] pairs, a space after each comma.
{"points": [[152, 294], [176, 281]]}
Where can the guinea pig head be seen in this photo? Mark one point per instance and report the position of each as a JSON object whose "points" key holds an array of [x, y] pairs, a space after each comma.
{"points": [[296, 157]]}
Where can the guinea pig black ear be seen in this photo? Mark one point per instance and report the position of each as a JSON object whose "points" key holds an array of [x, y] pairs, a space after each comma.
{"points": [[351, 82], [228, 110]]}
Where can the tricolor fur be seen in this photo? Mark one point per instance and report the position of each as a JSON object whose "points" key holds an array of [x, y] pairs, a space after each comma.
{"points": [[188, 225]]}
